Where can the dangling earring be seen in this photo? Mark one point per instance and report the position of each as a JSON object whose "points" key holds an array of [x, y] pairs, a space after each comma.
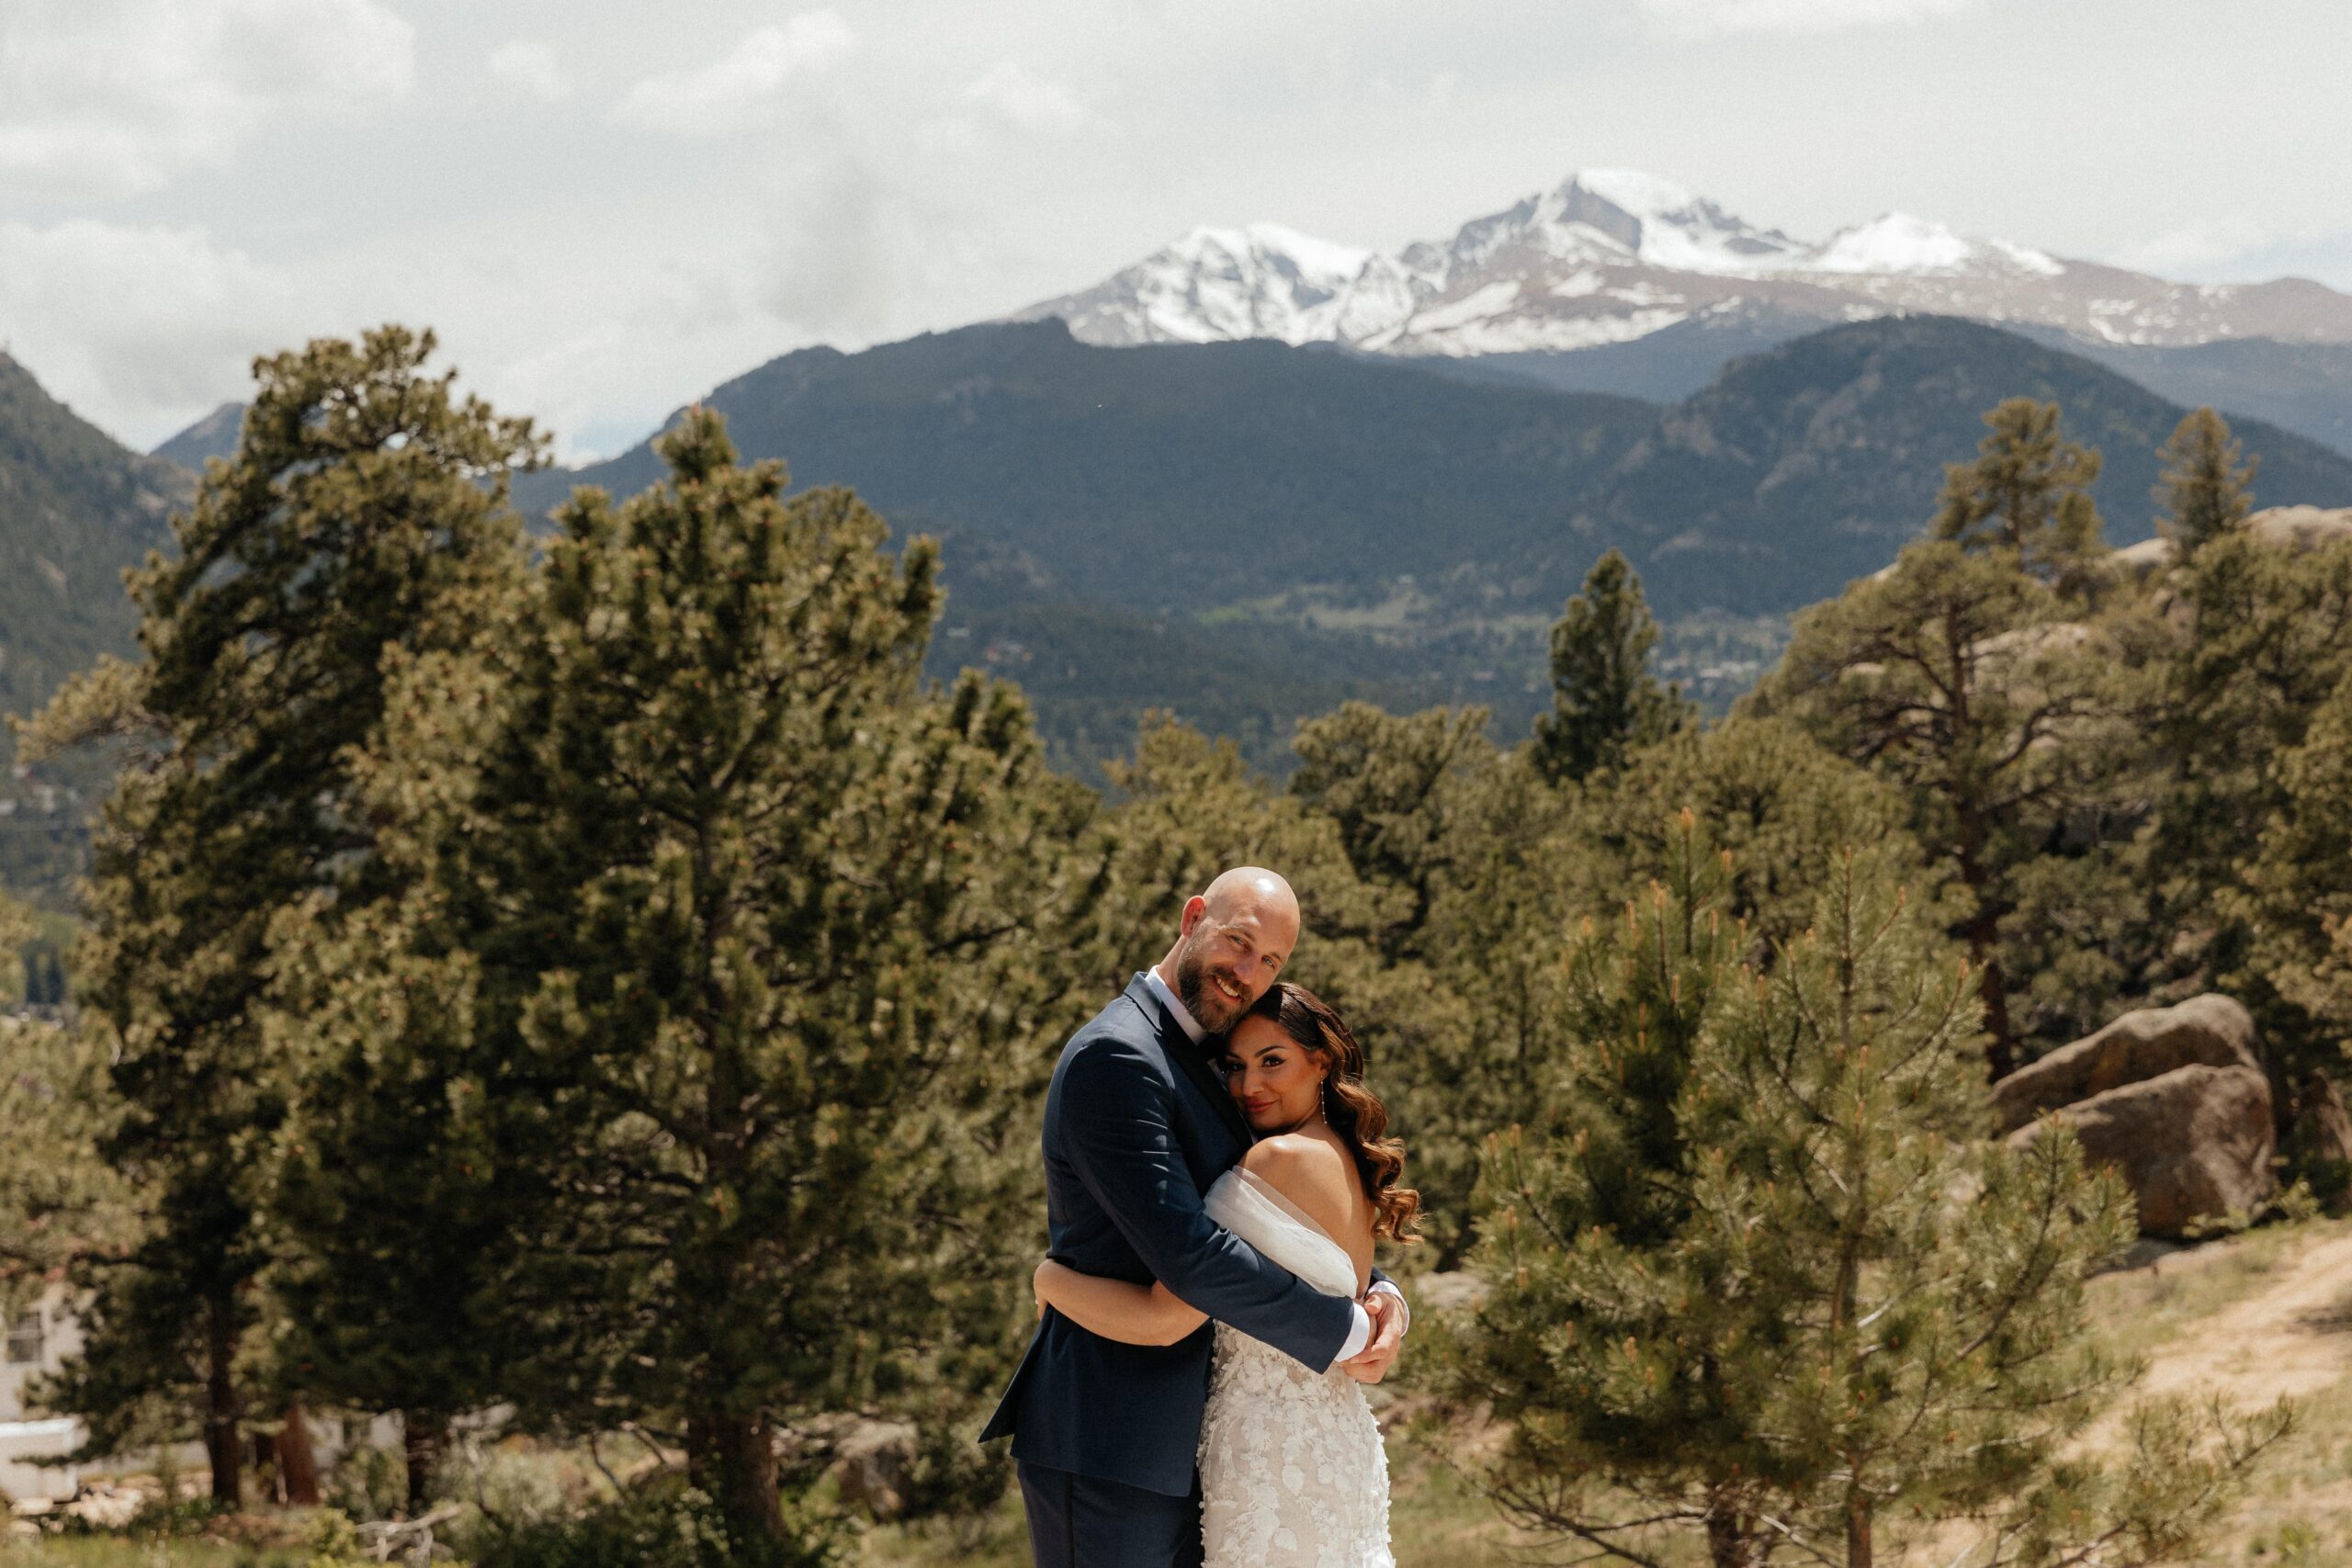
{"points": [[1326, 1097]]}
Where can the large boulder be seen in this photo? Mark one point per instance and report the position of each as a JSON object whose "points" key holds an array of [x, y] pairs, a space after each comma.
{"points": [[873, 1465], [2300, 528], [2192, 1144], [871, 1459], [2208, 1030], [2144, 560]]}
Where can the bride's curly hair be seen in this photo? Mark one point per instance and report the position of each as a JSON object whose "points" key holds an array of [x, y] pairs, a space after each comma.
{"points": [[1352, 1110]]}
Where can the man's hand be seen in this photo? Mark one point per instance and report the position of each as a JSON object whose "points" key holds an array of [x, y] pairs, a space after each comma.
{"points": [[1388, 1315]]}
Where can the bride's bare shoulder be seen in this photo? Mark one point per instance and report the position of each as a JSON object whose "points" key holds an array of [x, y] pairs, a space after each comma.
{"points": [[1310, 1171]]}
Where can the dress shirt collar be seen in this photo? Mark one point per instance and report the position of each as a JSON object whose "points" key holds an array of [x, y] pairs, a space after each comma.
{"points": [[1175, 1006]]}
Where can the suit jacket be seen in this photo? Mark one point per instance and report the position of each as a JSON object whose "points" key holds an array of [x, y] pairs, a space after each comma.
{"points": [[1137, 1128]]}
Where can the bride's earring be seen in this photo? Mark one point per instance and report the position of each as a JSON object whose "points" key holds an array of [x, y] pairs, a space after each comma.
{"points": [[1326, 1097]]}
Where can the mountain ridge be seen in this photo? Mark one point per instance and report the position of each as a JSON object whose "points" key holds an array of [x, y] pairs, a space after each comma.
{"points": [[1822, 453], [1246, 532], [1610, 256], [1237, 531]]}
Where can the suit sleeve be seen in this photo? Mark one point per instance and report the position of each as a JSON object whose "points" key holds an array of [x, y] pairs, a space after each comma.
{"points": [[1116, 1133]]}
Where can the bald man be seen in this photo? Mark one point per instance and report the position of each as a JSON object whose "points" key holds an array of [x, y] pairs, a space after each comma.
{"points": [[1138, 1127]]}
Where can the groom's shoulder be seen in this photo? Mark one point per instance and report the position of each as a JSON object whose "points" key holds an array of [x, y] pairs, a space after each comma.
{"points": [[1123, 1033], [1123, 1023], [1126, 1018]]}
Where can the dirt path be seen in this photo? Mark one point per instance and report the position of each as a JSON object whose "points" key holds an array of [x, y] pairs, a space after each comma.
{"points": [[2293, 1337]]}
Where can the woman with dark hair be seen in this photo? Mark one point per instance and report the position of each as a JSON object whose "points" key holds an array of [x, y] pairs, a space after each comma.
{"points": [[1290, 1465]]}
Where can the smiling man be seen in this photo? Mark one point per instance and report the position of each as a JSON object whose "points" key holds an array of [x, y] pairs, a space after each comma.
{"points": [[1138, 1126]]}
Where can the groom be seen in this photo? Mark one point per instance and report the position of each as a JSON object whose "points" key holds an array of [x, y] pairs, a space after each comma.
{"points": [[1138, 1127]]}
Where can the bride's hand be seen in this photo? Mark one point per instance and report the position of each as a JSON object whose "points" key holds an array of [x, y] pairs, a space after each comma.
{"points": [[1371, 1363]]}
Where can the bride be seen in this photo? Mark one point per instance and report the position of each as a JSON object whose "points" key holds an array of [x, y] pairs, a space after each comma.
{"points": [[1293, 1474]]}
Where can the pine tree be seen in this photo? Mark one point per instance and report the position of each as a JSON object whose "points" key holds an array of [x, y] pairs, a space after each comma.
{"points": [[2028, 491], [1757, 1280], [1394, 787], [1971, 685], [755, 943], [2249, 675], [353, 513], [2295, 894], [1605, 702], [1519, 862], [2205, 489], [1187, 809], [1777, 803], [60, 1204], [1596, 1347]]}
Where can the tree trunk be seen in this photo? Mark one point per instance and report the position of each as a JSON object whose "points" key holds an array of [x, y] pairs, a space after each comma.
{"points": [[222, 1449], [733, 1459], [1858, 1531], [2000, 1053], [1983, 934], [424, 1437], [296, 1460], [1729, 1544]]}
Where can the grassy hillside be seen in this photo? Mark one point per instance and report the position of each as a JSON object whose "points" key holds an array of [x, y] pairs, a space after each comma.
{"points": [[2247, 1318]]}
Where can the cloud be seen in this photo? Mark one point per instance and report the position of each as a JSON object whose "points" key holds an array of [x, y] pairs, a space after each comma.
{"points": [[531, 67], [1714, 18], [143, 329], [741, 89], [2237, 249], [120, 96], [1023, 100]]}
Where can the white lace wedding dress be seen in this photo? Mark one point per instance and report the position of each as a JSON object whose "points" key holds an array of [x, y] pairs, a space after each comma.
{"points": [[1293, 1474]]}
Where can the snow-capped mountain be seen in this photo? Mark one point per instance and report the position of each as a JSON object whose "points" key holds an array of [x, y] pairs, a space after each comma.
{"points": [[1609, 255]]}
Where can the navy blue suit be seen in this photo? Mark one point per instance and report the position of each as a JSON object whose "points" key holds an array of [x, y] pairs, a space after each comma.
{"points": [[1138, 1127]]}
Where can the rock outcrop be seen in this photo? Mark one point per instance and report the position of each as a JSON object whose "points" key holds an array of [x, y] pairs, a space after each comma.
{"points": [[2300, 528], [2208, 1030], [2291, 529], [2175, 1099], [871, 1459]]}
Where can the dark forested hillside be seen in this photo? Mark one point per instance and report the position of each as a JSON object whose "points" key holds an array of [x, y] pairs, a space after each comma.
{"points": [[1382, 527], [75, 508], [1246, 532], [1239, 477], [1800, 468], [2302, 387], [2305, 387], [1248, 468], [214, 436]]}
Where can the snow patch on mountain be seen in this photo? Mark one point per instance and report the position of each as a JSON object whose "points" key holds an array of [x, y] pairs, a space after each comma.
{"points": [[1901, 244], [1613, 254]]}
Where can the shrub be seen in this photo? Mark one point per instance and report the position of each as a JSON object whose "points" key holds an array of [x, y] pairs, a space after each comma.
{"points": [[681, 1528]]}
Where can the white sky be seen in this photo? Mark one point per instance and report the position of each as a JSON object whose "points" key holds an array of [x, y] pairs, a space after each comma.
{"points": [[607, 209]]}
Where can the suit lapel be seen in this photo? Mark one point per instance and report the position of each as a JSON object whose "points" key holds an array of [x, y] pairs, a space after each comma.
{"points": [[1193, 1061]]}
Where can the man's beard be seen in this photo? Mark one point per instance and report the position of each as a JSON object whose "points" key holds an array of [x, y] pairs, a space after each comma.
{"points": [[1211, 1008]]}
